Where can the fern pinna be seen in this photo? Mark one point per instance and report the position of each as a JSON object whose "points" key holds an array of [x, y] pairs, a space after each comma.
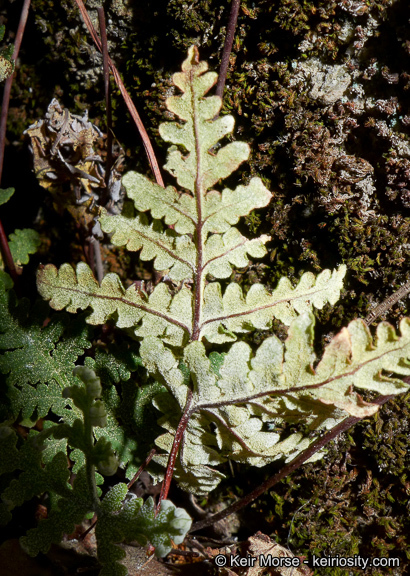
{"points": [[224, 405]]}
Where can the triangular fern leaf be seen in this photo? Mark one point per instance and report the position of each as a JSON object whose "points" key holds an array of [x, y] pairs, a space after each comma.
{"points": [[198, 134], [204, 243]]}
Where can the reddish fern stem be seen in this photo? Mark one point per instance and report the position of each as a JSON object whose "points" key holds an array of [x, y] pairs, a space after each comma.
{"points": [[179, 434], [230, 33], [142, 467], [130, 105], [106, 72], [4, 246]]}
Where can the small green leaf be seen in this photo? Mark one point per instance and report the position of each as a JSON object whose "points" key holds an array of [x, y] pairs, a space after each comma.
{"points": [[6, 194], [22, 244]]}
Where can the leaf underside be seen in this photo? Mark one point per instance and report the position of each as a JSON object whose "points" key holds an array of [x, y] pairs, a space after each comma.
{"points": [[236, 411]]}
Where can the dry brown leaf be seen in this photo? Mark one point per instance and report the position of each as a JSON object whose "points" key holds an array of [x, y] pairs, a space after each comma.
{"points": [[262, 545]]}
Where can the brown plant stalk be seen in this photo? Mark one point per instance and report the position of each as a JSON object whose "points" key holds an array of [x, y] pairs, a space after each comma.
{"points": [[179, 434], [4, 246], [127, 99], [106, 73], [390, 301], [230, 33]]}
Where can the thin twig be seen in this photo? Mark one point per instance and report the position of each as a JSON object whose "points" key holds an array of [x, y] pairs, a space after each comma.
{"points": [[230, 33], [133, 111], [89, 254], [4, 246], [97, 259], [388, 303], [86, 532], [142, 467], [286, 470], [9, 81], [106, 72]]}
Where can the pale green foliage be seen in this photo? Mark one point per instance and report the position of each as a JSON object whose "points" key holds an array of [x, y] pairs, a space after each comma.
{"points": [[243, 391], [204, 240], [239, 398], [5, 195], [22, 244]]}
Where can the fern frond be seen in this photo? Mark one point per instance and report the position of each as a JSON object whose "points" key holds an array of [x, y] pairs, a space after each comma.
{"points": [[235, 398], [203, 243]]}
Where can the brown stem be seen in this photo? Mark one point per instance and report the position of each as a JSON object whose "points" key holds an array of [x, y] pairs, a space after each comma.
{"points": [[86, 532], [4, 245], [230, 32], [133, 111], [387, 303], [97, 265], [142, 467], [286, 470], [179, 434], [9, 81], [8, 258], [106, 72], [90, 255]]}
